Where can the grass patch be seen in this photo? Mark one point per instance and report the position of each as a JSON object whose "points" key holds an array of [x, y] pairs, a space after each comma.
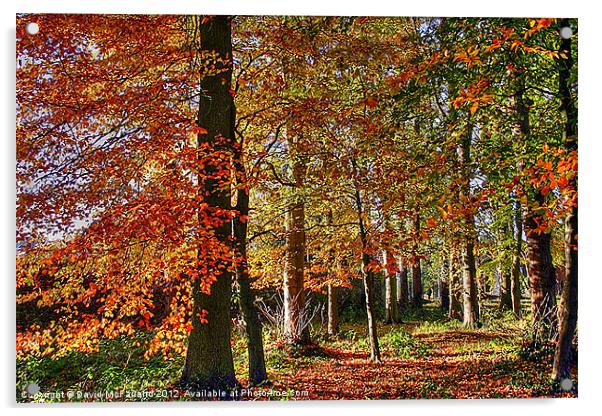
{"points": [[437, 326], [495, 346], [118, 366], [401, 343]]}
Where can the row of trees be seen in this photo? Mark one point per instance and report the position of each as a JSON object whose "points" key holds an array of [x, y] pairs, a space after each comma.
{"points": [[156, 168]]}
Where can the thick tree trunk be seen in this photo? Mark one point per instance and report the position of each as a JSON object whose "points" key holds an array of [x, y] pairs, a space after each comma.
{"points": [[542, 275], [296, 325], [469, 270], [469, 285], [296, 316], [542, 279], [209, 362], [391, 307], [455, 284], [402, 288], [257, 370], [516, 256], [368, 281], [333, 310], [568, 302]]}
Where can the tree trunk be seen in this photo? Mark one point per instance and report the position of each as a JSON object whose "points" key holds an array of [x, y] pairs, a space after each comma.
{"points": [[455, 285], [469, 270], [209, 362], [391, 307], [333, 310], [444, 286], [402, 288], [542, 279], [444, 295], [368, 281], [332, 296], [469, 286], [505, 287], [417, 291], [542, 275], [296, 327], [516, 256], [296, 316], [568, 302], [257, 370], [417, 296]]}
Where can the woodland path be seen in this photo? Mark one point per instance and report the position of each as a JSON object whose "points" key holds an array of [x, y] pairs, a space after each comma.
{"points": [[452, 363]]}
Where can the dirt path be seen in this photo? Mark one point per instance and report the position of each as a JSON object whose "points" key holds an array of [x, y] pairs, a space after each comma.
{"points": [[456, 364]]}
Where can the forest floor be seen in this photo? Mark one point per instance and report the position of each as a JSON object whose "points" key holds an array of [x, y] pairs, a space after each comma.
{"points": [[426, 356], [450, 363]]}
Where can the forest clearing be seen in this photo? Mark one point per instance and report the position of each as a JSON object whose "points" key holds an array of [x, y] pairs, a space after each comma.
{"points": [[295, 208]]}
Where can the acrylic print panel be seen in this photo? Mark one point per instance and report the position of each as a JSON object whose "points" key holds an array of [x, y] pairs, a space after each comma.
{"points": [[295, 208]]}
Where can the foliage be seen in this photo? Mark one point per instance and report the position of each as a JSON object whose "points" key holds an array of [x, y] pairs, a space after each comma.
{"points": [[402, 140]]}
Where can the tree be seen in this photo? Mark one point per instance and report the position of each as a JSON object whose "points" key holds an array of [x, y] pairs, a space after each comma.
{"points": [[443, 284], [402, 287], [368, 273], [542, 274], [469, 270], [253, 325], [455, 286], [390, 276], [515, 286], [209, 355], [123, 144], [568, 302], [417, 291]]}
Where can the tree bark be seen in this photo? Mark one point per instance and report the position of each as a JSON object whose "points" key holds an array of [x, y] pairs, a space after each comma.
{"points": [[455, 285], [332, 295], [257, 370], [296, 328], [368, 275], [209, 362], [296, 325], [444, 286], [542, 275], [469, 270], [469, 286], [417, 296], [542, 278], [505, 287], [417, 290], [516, 256], [402, 287], [391, 307], [568, 302], [333, 310]]}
